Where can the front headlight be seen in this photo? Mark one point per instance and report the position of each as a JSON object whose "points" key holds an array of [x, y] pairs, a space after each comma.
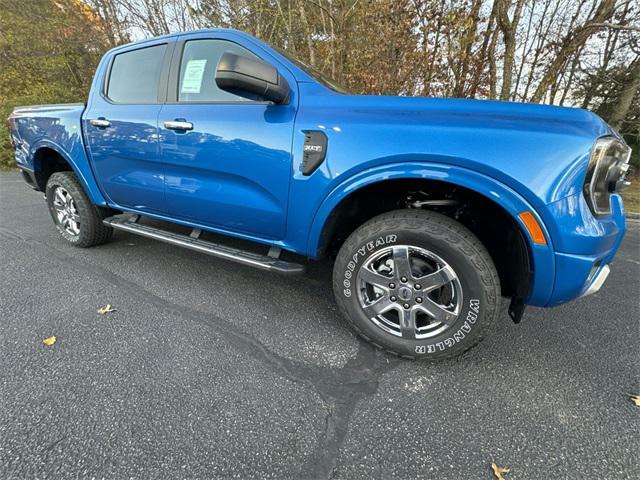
{"points": [[606, 173]]}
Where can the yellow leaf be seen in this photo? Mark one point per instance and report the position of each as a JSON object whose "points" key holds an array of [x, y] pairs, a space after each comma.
{"points": [[105, 310], [635, 399], [49, 340], [498, 471]]}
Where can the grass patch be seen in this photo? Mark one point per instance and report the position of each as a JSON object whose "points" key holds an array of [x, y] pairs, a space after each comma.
{"points": [[632, 196]]}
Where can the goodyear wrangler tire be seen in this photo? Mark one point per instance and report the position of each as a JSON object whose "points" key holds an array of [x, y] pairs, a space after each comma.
{"points": [[416, 283]]}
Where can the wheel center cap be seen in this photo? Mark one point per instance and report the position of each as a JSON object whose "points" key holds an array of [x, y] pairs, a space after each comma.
{"points": [[405, 293]]}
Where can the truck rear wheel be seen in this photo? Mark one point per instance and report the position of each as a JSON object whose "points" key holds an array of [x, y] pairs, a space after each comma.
{"points": [[76, 218], [417, 284]]}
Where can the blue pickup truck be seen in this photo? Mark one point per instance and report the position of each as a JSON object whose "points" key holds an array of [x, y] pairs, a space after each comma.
{"points": [[432, 209]]}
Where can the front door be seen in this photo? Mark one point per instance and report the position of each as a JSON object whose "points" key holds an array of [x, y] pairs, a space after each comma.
{"points": [[227, 158], [121, 130]]}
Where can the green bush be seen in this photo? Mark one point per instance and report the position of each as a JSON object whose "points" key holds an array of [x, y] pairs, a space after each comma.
{"points": [[48, 53]]}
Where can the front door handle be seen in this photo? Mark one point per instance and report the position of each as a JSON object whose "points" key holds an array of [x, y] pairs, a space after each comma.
{"points": [[178, 125], [100, 122]]}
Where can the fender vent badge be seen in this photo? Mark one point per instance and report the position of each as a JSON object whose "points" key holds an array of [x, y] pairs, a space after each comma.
{"points": [[314, 151]]}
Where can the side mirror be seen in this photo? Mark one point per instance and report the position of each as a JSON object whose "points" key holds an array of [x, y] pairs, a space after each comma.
{"points": [[241, 74]]}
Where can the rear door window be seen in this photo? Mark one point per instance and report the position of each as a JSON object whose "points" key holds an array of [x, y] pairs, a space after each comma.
{"points": [[135, 75]]}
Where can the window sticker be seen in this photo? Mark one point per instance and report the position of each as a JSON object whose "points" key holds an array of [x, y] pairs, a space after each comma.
{"points": [[192, 78]]}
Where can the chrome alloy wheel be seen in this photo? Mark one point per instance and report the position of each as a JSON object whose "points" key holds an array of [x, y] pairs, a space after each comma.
{"points": [[409, 292], [66, 213]]}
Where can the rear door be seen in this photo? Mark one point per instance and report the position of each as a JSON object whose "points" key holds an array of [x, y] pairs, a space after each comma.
{"points": [[121, 130], [231, 169]]}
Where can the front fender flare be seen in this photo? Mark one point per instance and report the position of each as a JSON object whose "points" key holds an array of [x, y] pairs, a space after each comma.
{"points": [[543, 260]]}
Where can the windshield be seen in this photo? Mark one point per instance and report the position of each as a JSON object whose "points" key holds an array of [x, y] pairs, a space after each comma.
{"points": [[319, 76]]}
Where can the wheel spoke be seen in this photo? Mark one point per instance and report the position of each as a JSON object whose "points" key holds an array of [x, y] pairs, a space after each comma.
{"points": [[381, 305], [401, 265], [437, 279], [438, 312], [373, 278], [408, 323], [73, 226], [59, 198]]}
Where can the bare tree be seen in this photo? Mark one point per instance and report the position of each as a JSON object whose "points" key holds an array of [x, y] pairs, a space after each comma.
{"points": [[571, 42]]}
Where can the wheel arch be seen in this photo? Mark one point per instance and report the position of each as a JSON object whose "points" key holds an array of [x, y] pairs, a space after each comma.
{"points": [[49, 157], [468, 182]]}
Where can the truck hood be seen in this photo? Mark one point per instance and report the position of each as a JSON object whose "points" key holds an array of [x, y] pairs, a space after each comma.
{"points": [[540, 151], [484, 114]]}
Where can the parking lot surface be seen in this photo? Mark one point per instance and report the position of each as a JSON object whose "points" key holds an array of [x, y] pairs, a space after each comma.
{"points": [[209, 369]]}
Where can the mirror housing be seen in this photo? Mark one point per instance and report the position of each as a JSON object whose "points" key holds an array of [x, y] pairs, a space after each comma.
{"points": [[238, 73]]}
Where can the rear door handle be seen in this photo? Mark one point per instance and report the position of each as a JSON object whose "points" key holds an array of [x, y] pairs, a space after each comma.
{"points": [[178, 125], [100, 122]]}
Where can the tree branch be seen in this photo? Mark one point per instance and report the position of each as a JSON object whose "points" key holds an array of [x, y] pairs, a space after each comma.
{"points": [[615, 26]]}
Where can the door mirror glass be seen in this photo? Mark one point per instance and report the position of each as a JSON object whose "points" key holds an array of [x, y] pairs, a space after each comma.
{"points": [[242, 75]]}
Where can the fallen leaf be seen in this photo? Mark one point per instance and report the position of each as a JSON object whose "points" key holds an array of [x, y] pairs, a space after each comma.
{"points": [[49, 340], [635, 399], [105, 310], [498, 471]]}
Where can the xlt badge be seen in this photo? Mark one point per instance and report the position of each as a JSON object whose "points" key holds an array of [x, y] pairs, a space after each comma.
{"points": [[314, 151]]}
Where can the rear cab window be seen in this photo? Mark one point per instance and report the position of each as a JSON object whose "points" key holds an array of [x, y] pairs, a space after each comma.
{"points": [[134, 76]]}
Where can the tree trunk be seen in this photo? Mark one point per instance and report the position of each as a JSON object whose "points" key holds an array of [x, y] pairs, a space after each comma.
{"points": [[629, 91], [468, 39], [525, 50], [508, 29], [493, 78], [307, 33], [487, 35], [541, 35]]}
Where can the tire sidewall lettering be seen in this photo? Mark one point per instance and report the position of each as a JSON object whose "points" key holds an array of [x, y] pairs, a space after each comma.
{"points": [[472, 315], [362, 252]]}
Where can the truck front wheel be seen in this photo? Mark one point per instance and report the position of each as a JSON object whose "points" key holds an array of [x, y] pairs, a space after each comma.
{"points": [[76, 218], [417, 284]]}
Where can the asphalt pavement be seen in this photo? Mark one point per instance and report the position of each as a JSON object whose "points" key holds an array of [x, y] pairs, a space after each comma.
{"points": [[209, 369]]}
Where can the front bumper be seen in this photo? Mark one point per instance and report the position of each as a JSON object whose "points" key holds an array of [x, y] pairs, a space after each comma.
{"points": [[592, 244], [598, 280]]}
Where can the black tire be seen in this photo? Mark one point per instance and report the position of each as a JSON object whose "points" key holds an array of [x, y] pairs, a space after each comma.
{"points": [[91, 229], [477, 279]]}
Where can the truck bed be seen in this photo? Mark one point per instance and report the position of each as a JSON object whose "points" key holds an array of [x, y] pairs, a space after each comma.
{"points": [[41, 125], [52, 130]]}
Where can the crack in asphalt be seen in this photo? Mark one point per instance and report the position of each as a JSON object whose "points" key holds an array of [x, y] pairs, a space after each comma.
{"points": [[356, 380], [340, 389]]}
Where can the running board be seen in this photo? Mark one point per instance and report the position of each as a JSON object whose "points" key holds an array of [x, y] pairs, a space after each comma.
{"points": [[192, 242]]}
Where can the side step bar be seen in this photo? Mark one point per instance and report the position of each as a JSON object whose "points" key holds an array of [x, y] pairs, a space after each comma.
{"points": [[192, 242]]}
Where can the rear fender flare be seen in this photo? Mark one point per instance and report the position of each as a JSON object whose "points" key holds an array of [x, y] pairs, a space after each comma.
{"points": [[85, 175]]}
